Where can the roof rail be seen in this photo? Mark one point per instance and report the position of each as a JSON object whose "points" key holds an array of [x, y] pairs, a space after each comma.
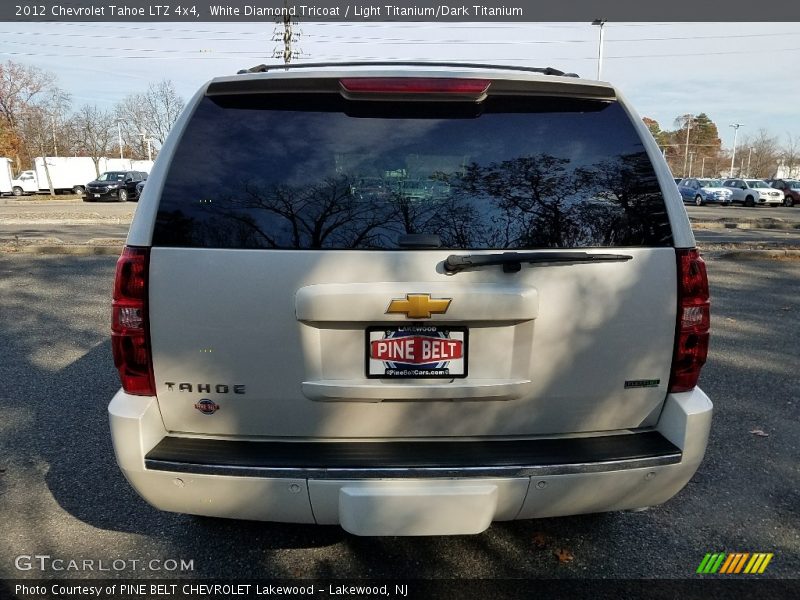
{"points": [[280, 66]]}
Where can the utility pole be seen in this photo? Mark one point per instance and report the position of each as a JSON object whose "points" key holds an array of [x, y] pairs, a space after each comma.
{"points": [[601, 23], [287, 36], [733, 154], [119, 138], [148, 140], [55, 148], [691, 159], [689, 119], [703, 167]]}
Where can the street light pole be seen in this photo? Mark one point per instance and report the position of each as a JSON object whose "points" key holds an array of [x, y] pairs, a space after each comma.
{"points": [[600, 22], [749, 154], [733, 154]]}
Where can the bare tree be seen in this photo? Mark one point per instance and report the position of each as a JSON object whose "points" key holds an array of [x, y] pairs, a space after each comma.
{"points": [[153, 113], [760, 154], [23, 87], [94, 132], [791, 154], [36, 125]]}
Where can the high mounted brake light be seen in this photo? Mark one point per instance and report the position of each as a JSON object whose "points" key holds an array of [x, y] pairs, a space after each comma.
{"points": [[694, 321], [427, 87], [130, 331]]}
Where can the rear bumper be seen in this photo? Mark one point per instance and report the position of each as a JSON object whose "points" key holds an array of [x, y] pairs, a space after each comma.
{"points": [[424, 491]]}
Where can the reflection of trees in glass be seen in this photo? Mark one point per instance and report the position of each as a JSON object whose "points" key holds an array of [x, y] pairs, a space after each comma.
{"points": [[535, 201], [540, 202], [525, 197], [627, 184], [319, 215]]}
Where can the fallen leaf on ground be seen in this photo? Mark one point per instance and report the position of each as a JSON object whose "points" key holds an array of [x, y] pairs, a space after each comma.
{"points": [[540, 539], [563, 555], [759, 432]]}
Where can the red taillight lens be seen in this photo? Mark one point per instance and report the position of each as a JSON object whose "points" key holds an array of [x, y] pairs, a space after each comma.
{"points": [[130, 335], [694, 321], [469, 88]]}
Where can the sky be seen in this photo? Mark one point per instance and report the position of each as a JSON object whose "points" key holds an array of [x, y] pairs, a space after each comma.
{"points": [[734, 72]]}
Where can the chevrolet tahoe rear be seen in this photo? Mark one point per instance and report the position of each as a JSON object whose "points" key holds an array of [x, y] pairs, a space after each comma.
{"points": [[409, 300]]}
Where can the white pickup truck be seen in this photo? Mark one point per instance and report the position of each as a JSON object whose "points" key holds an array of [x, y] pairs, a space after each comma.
{"points": [[524, 343]]}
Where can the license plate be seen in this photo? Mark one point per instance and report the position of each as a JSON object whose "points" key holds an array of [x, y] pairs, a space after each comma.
{"points": [[419, 351], [97, 195]]}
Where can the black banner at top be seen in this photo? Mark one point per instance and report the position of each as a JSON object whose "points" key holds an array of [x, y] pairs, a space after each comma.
{"points": [[388, 10]]}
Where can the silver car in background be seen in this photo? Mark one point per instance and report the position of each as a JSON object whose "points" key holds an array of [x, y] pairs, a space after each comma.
{"points": [[752, 192]]}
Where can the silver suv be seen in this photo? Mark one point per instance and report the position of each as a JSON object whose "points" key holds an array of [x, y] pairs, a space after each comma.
{"points": [[301, 339]]}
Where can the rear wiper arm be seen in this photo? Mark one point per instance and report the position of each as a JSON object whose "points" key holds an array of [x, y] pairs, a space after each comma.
{"points": [[512, 261]]}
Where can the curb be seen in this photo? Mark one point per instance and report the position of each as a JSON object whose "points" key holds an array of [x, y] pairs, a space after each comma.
{"points": [[756, 224], [73, 250], [113, 247], [17, 202], [759, 254]]}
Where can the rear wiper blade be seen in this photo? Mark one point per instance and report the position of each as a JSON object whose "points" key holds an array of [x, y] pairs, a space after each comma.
{"points": [[512, 261]]}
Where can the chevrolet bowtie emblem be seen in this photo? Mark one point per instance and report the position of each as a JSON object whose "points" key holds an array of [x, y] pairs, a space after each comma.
{"points": [[419, 306]]}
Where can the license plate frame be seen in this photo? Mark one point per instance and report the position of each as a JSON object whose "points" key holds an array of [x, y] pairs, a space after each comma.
{"points": [[373, 370]]}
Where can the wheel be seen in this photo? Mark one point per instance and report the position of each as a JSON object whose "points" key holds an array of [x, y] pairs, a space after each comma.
{"points": [[749, 201], [17, 191], [78, 190], [123, 195], [788, 201], [698, 200]]}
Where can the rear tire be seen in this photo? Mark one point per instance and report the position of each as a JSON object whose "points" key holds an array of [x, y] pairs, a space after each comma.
{"points": [[698, 200], [749, 201], [122, 195], [78, 190], [17, 191]]}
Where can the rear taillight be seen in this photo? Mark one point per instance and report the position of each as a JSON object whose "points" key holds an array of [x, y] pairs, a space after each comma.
{"points": [[130, 332], [473, 89], [694, 321]]}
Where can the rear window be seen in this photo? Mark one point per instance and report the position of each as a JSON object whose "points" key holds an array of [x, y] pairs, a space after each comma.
{"points": [[321, 172]]}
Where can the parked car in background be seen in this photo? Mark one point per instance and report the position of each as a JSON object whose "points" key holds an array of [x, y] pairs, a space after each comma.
{"points": [[704, 191], [115, 185], [752, 192], [140, 189], [790, 189]]}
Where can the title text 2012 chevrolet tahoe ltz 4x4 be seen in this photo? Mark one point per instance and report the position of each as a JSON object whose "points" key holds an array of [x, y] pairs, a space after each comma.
{"points": [[410, 300]]}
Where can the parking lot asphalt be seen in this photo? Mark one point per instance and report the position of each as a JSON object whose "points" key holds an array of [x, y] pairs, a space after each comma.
{"points": [[63, 495]]}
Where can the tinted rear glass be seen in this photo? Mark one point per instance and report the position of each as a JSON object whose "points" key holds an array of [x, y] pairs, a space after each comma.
{"points": [[322, 172]]}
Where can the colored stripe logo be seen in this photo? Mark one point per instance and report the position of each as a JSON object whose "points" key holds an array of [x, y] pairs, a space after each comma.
{"points": [[734, 563]]}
